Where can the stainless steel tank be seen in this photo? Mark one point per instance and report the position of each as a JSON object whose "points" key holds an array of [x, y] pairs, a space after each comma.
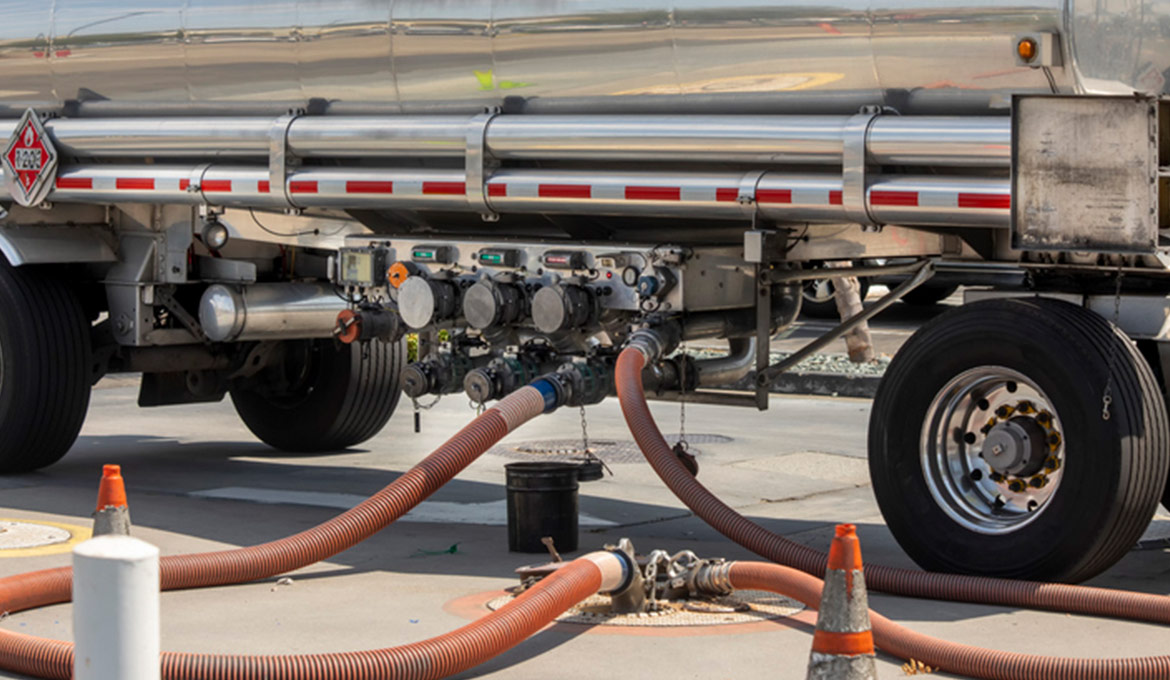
{"points": [[571, 56]]}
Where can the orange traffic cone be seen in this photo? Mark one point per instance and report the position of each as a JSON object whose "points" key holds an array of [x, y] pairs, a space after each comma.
{"points": [[842, 646], [113, 514]]}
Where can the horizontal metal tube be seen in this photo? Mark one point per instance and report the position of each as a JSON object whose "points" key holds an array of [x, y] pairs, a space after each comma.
{"points": [[784, 197], [770, 140], [269, 311]]}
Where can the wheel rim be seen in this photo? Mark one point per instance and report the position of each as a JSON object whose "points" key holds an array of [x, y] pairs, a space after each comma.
{"points": [[818, 291], [992, 450]]}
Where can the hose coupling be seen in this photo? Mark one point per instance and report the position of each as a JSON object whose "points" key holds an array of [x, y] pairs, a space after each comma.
{"points": [[369, 322], [656, 340], [711, 577]]}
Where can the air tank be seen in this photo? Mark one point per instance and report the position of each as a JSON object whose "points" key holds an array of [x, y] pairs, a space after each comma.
{"points": [[569, 56]]}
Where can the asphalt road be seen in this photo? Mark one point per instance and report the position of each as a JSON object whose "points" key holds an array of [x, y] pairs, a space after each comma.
{"points": [[198, 481]]}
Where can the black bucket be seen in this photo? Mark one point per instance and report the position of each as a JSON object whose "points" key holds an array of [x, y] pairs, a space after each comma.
{"points": [[542, 501]]}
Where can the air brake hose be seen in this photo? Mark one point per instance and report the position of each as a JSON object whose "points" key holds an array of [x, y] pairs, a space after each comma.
{"points": [[976, 662], [896, 581], [429, 659]]}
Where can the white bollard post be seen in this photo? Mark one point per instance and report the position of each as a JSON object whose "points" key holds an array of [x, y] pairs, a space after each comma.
{"points": [[115, 610]]}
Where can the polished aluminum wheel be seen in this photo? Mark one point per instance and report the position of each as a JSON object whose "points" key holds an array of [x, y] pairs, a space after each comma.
{"points": [[992, 450]]}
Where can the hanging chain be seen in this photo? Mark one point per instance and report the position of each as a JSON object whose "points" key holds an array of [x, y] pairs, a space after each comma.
{"points": [[682, 400], [419, 408], [1107, 395], [584, 432]]}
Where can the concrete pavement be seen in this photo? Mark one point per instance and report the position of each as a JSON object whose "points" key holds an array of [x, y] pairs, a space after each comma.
{"points": [[797, 469]]}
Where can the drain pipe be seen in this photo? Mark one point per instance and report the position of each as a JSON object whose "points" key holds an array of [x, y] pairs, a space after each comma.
{"points": [[730, 369], [644, 348], [444, 655]]}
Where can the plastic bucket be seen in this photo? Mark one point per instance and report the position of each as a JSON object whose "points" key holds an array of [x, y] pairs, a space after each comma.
{"points": [[542, 501]]}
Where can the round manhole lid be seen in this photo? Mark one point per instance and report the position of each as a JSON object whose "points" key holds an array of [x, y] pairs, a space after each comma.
{"points": [[608, 450], [743, 606], [23, 535]]}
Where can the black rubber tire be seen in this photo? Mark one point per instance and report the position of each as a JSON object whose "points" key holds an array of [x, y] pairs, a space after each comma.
{"points": [[827, 309], [1114, 469], [46, 368], [347, 396], [926, 295]]}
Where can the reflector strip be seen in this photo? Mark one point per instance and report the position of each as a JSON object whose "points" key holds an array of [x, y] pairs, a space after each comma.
{"points": [[74, 183], [902, 198], [726, 195], [444, 188], [774, 195], [183, 184], [565, 191], [639, 193], [992, 201], [302, 187], [497, 189], [134, 184], [836, 197], [369, 187], [263, 187], [216, 185]]}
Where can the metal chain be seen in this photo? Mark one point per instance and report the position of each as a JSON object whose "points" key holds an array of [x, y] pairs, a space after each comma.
{"points": [[1107, 395], [682, 401], [584, 432]]}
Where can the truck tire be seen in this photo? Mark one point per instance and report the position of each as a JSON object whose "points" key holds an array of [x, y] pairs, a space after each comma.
{"points": [[333, 396], [926, 295], [990, 453], [45, 368]]}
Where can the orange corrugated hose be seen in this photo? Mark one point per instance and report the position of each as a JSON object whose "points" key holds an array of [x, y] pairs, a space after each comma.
{"points": [[434, 658], [948, 656]]}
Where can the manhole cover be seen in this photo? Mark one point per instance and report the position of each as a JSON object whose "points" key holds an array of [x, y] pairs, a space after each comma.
{"points": [[743, 606], [19, 535], [608, 450]]}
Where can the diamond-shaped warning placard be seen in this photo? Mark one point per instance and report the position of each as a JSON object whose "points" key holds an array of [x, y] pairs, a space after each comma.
{"points": [[30, 161]]}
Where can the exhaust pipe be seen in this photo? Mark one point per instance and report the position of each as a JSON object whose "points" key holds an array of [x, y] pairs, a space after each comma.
{"points": [[269, 311]]}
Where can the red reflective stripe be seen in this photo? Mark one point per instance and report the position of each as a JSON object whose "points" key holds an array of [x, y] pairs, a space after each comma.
{"points": [[219, 185], [836, 198], [74, 183], [444, 188], [134, 184], [497, 190], [774, 195], [637, 193], [727, 195], [183, 184], [843, 644], [565, 191], [993, 201], [263, 186], [904, 198], [369, 187], [302, 187]]}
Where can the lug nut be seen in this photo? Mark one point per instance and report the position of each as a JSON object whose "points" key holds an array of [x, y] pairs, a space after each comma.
{"points": [[1017, 485], [976, 475], [969, 438]]}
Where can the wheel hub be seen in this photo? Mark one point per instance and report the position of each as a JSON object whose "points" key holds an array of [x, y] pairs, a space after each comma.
{"points": [[992, 451], [1016, 447]]}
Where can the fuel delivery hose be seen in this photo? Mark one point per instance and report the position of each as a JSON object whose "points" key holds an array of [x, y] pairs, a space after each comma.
{"points": [[433, 658], [896, 581], [951, 656]]}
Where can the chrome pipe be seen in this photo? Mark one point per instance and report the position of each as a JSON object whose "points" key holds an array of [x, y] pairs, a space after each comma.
{"points": [[730, 369], [783, 197], [973, 141], [269, 311]]}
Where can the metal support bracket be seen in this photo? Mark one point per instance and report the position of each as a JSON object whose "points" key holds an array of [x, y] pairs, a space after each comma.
{"points": [[280, 158], [855, 165], [479, 163], [748, 188], [763, 321]]}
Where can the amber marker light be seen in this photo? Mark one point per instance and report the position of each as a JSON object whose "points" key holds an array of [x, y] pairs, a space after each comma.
{"points": [[1026, 48]]}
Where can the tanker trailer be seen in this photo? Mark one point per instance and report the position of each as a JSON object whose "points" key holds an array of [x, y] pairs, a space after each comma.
{"points": [[259, 199]]}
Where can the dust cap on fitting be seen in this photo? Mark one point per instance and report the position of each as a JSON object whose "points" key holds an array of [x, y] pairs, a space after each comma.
{"points": [[112, 490]]}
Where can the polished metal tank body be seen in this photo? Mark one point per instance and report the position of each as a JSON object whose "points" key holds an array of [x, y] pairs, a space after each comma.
{"points": [[573, 56]]}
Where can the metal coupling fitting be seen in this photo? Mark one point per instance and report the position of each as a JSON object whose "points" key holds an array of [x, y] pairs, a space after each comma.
{"points": [[655, 342], [711, 577]]}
